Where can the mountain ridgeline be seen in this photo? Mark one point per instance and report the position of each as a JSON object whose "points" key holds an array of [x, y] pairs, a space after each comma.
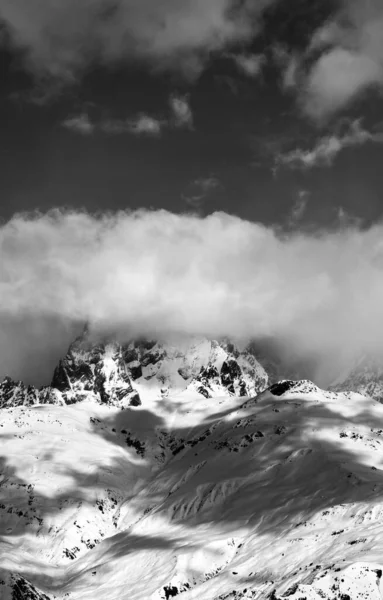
{"points": [[118, 374]]}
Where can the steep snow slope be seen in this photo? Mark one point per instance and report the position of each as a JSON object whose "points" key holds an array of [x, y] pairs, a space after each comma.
{"points": [[198, 497]]}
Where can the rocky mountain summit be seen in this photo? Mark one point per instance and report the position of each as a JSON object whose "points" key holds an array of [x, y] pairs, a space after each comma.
{"points": [[16, 393], [118, 374]]}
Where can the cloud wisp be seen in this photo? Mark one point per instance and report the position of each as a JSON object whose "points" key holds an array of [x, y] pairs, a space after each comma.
{"points": [[156, 273], [327, 148], [299, 208], [180, 117], [79, 124], [250, 65], [142, 124], [199, 189], [181, 113]]}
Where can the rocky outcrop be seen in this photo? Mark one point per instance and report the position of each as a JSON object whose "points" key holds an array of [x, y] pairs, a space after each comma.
{"points": [[23, 590], [16, 587], [118, 374], [16, 393], [98, 370]]}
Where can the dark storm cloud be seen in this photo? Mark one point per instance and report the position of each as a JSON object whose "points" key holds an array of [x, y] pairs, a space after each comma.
{"points": [[62, 37]]}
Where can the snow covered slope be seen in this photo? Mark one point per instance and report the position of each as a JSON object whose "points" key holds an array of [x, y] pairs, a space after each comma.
{"points": [[269, 497]]}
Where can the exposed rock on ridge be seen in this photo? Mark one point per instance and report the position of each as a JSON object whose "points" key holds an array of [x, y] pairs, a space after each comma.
{"points": [[16, 393], [116, 374]]}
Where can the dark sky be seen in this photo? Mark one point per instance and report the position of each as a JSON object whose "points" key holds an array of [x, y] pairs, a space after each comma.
{"points": [[272, 111]]}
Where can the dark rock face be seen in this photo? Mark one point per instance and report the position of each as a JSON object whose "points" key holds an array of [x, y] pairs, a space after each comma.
{"points": [[23, 590], [208, 373], [135, 370], [230, 376], [303, 386], [278, 389], [16, 393], [63, 375], [110, 372], [204, 391], [99, 369], [230, 372], [170, 591], [134, 399]]}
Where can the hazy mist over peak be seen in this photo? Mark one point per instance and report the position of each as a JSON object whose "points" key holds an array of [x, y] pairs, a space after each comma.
{"points": [[154, 273]]}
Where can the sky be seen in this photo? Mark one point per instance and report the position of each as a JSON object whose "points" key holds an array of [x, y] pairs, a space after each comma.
{"points": [[267, 112], [267, 109]]}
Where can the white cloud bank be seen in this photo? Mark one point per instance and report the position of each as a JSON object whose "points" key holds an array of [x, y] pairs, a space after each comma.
{"points": [[156, 273]]}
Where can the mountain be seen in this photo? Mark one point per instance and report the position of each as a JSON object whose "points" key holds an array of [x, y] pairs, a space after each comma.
{"points": [[118, 374], [365, 377], [211, 496], [16, 393]]}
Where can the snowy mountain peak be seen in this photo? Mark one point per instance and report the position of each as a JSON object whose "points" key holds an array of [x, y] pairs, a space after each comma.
{"points": [[16, 393], [120, 373]]}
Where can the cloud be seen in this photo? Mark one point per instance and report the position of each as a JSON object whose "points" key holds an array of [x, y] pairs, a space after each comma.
{"points": [[199, 189], [182, 116], [249, 64], [289, 64], [350, 60], [61, 39], [327, 148], [299, 208], [79, 124], [338, 78], [140, 125], [153, 272]]}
